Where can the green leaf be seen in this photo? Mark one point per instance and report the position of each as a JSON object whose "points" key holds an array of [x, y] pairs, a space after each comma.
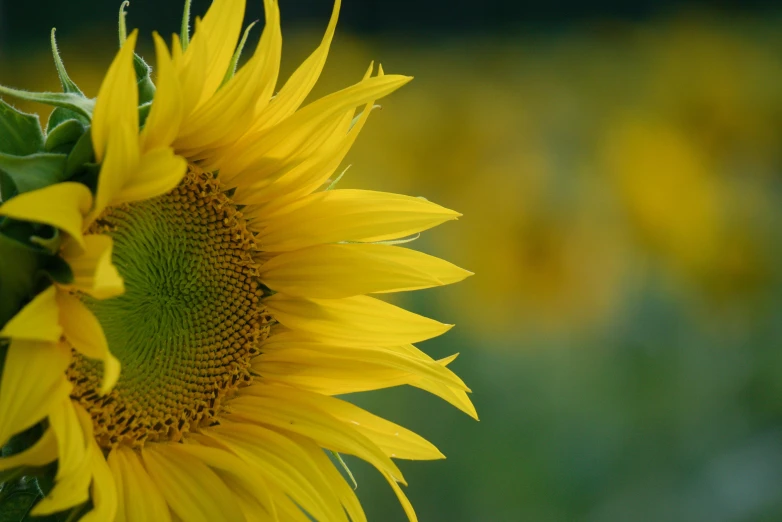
{"points": [[16, 500], [20, 133], [18, 276], [35, 171], [78, 104], [64, 136]]}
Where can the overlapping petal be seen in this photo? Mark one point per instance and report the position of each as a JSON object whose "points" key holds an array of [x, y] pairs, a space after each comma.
{"points": [[353, 321], [37, 321], [345, 270], [92, 267], [85, 334], [192, 490], [138, 497], [62, 206], [33, 384]]}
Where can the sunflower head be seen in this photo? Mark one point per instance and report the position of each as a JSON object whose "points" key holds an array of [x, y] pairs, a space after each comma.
{"points": [[184, 291]]}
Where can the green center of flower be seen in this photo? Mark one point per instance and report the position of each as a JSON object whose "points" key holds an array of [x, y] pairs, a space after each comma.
{"points": [[189, 321]]}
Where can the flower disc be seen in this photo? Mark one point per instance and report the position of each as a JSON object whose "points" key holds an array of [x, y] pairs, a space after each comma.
{"points": [[189, 322]]}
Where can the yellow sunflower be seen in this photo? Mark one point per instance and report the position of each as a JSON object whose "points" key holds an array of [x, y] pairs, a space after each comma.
{"points": [[206, 290]]}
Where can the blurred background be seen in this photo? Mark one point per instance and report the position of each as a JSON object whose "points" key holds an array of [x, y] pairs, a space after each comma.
{"points": [[618, 165]]}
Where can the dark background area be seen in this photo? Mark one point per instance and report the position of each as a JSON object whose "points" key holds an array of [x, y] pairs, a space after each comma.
{"points": [[420, 18]]}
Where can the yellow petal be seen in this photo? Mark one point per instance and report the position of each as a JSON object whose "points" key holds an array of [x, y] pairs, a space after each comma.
{"points": [[335, 481], [335, 370], [394, 440], [400, 495], [158, 172], [193, 491], [253, 151], [273, 175], [227, 462], [62, 206], [103, 489], [41, 453], [84, 333], [138, 496], [350, 215], [334, 271], [119, 166], [117, 103], [301, 82], [190, 69], [71, 442], [226, 115], [266, 407], [218, 34], [284, 463], [33, 382], [301, 178], [92, 267], [338, 362], [71, 484], [37, 321], [252, 510], [166, 114], [353, 321]]}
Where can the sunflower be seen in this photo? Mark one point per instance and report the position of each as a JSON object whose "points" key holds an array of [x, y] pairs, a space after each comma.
{"points": [[203, 297]]}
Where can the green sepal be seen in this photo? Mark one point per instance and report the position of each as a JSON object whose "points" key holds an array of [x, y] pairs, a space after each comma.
{"points": [[143, 113], [20, 133], [58, 270], [184, 33], [88, 176], [60, 115], [64, 136], [237, 54], [80, 155], [18, 276], [146, 89], [48, 238], [7, 187], [74, 102], [33, 172], [68, 85]]}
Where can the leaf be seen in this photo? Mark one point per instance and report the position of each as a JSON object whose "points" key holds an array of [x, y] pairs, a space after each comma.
{"points": [[20, 133], [16, 500], [64, 136], [35, 171], [17, 277], [74, 102]]}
